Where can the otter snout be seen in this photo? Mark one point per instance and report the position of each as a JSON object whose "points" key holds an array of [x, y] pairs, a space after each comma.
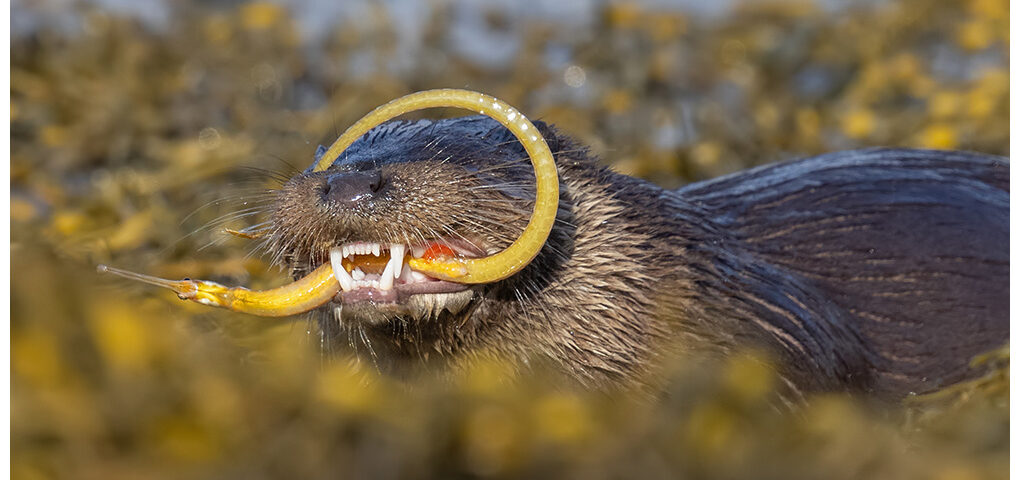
{"points": [[349, 188]]}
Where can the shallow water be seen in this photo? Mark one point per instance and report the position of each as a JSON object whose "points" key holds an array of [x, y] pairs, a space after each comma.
{"points": [[135, 146]]}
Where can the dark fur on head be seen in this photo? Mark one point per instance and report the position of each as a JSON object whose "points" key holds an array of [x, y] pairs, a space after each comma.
{"points": [[846, 267]]}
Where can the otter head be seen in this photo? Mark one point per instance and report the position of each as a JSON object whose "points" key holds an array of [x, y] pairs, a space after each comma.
{"points": [[458, 187]]}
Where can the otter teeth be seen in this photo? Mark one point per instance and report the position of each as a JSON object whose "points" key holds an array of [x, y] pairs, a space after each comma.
{"points": [[386, 280], [357, 278], [392, 270], [397, 252], [336, 257]]}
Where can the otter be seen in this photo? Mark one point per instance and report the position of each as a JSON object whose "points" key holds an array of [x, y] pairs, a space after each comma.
{"points": [[881, 271]]}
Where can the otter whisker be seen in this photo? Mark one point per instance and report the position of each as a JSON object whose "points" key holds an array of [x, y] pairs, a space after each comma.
{"points": [[496, 186], [492, 231], [503, 165], [264, 173], [368, 344], [291, 169], [437, 152], [226, 201], [223, 220]]}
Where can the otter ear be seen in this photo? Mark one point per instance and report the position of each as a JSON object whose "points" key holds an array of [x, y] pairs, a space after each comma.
{"points": [[319, 152]]}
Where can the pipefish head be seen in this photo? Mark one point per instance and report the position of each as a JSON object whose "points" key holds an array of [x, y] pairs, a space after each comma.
{"points": [[201, 291]]}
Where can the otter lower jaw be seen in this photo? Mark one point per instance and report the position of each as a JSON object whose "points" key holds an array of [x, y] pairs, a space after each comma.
{"points": [[423, 307], [398, 294]]}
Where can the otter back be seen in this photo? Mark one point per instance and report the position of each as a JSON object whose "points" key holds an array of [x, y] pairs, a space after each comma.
{"points": [[902, 254]]}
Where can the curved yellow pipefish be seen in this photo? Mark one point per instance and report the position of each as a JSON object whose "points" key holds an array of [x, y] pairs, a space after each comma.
{"points": [[320, 286], [526, 247], [302, 295]]}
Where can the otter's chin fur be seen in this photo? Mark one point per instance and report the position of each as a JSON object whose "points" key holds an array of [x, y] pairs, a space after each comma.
{"points": [[881, 270]]}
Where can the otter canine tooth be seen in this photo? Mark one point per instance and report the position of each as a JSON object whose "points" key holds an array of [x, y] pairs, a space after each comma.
{"points": [[386, 280], [397, 258], [342, 277]]}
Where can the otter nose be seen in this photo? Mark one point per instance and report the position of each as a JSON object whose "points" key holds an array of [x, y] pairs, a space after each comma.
{"points": [[352, 187]]}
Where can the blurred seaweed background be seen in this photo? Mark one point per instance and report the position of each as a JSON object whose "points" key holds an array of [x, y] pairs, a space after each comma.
{"points": [[140, 129]]}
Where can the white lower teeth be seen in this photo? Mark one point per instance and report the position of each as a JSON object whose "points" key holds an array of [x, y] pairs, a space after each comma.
{"points": [[386, 280], [357, 274], [393, 267]]}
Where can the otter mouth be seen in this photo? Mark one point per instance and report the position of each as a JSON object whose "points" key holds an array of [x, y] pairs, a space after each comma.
{"points": [[379, 273]]}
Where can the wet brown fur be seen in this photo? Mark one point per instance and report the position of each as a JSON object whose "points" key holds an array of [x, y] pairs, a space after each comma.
{"points": [[775, 258]]}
